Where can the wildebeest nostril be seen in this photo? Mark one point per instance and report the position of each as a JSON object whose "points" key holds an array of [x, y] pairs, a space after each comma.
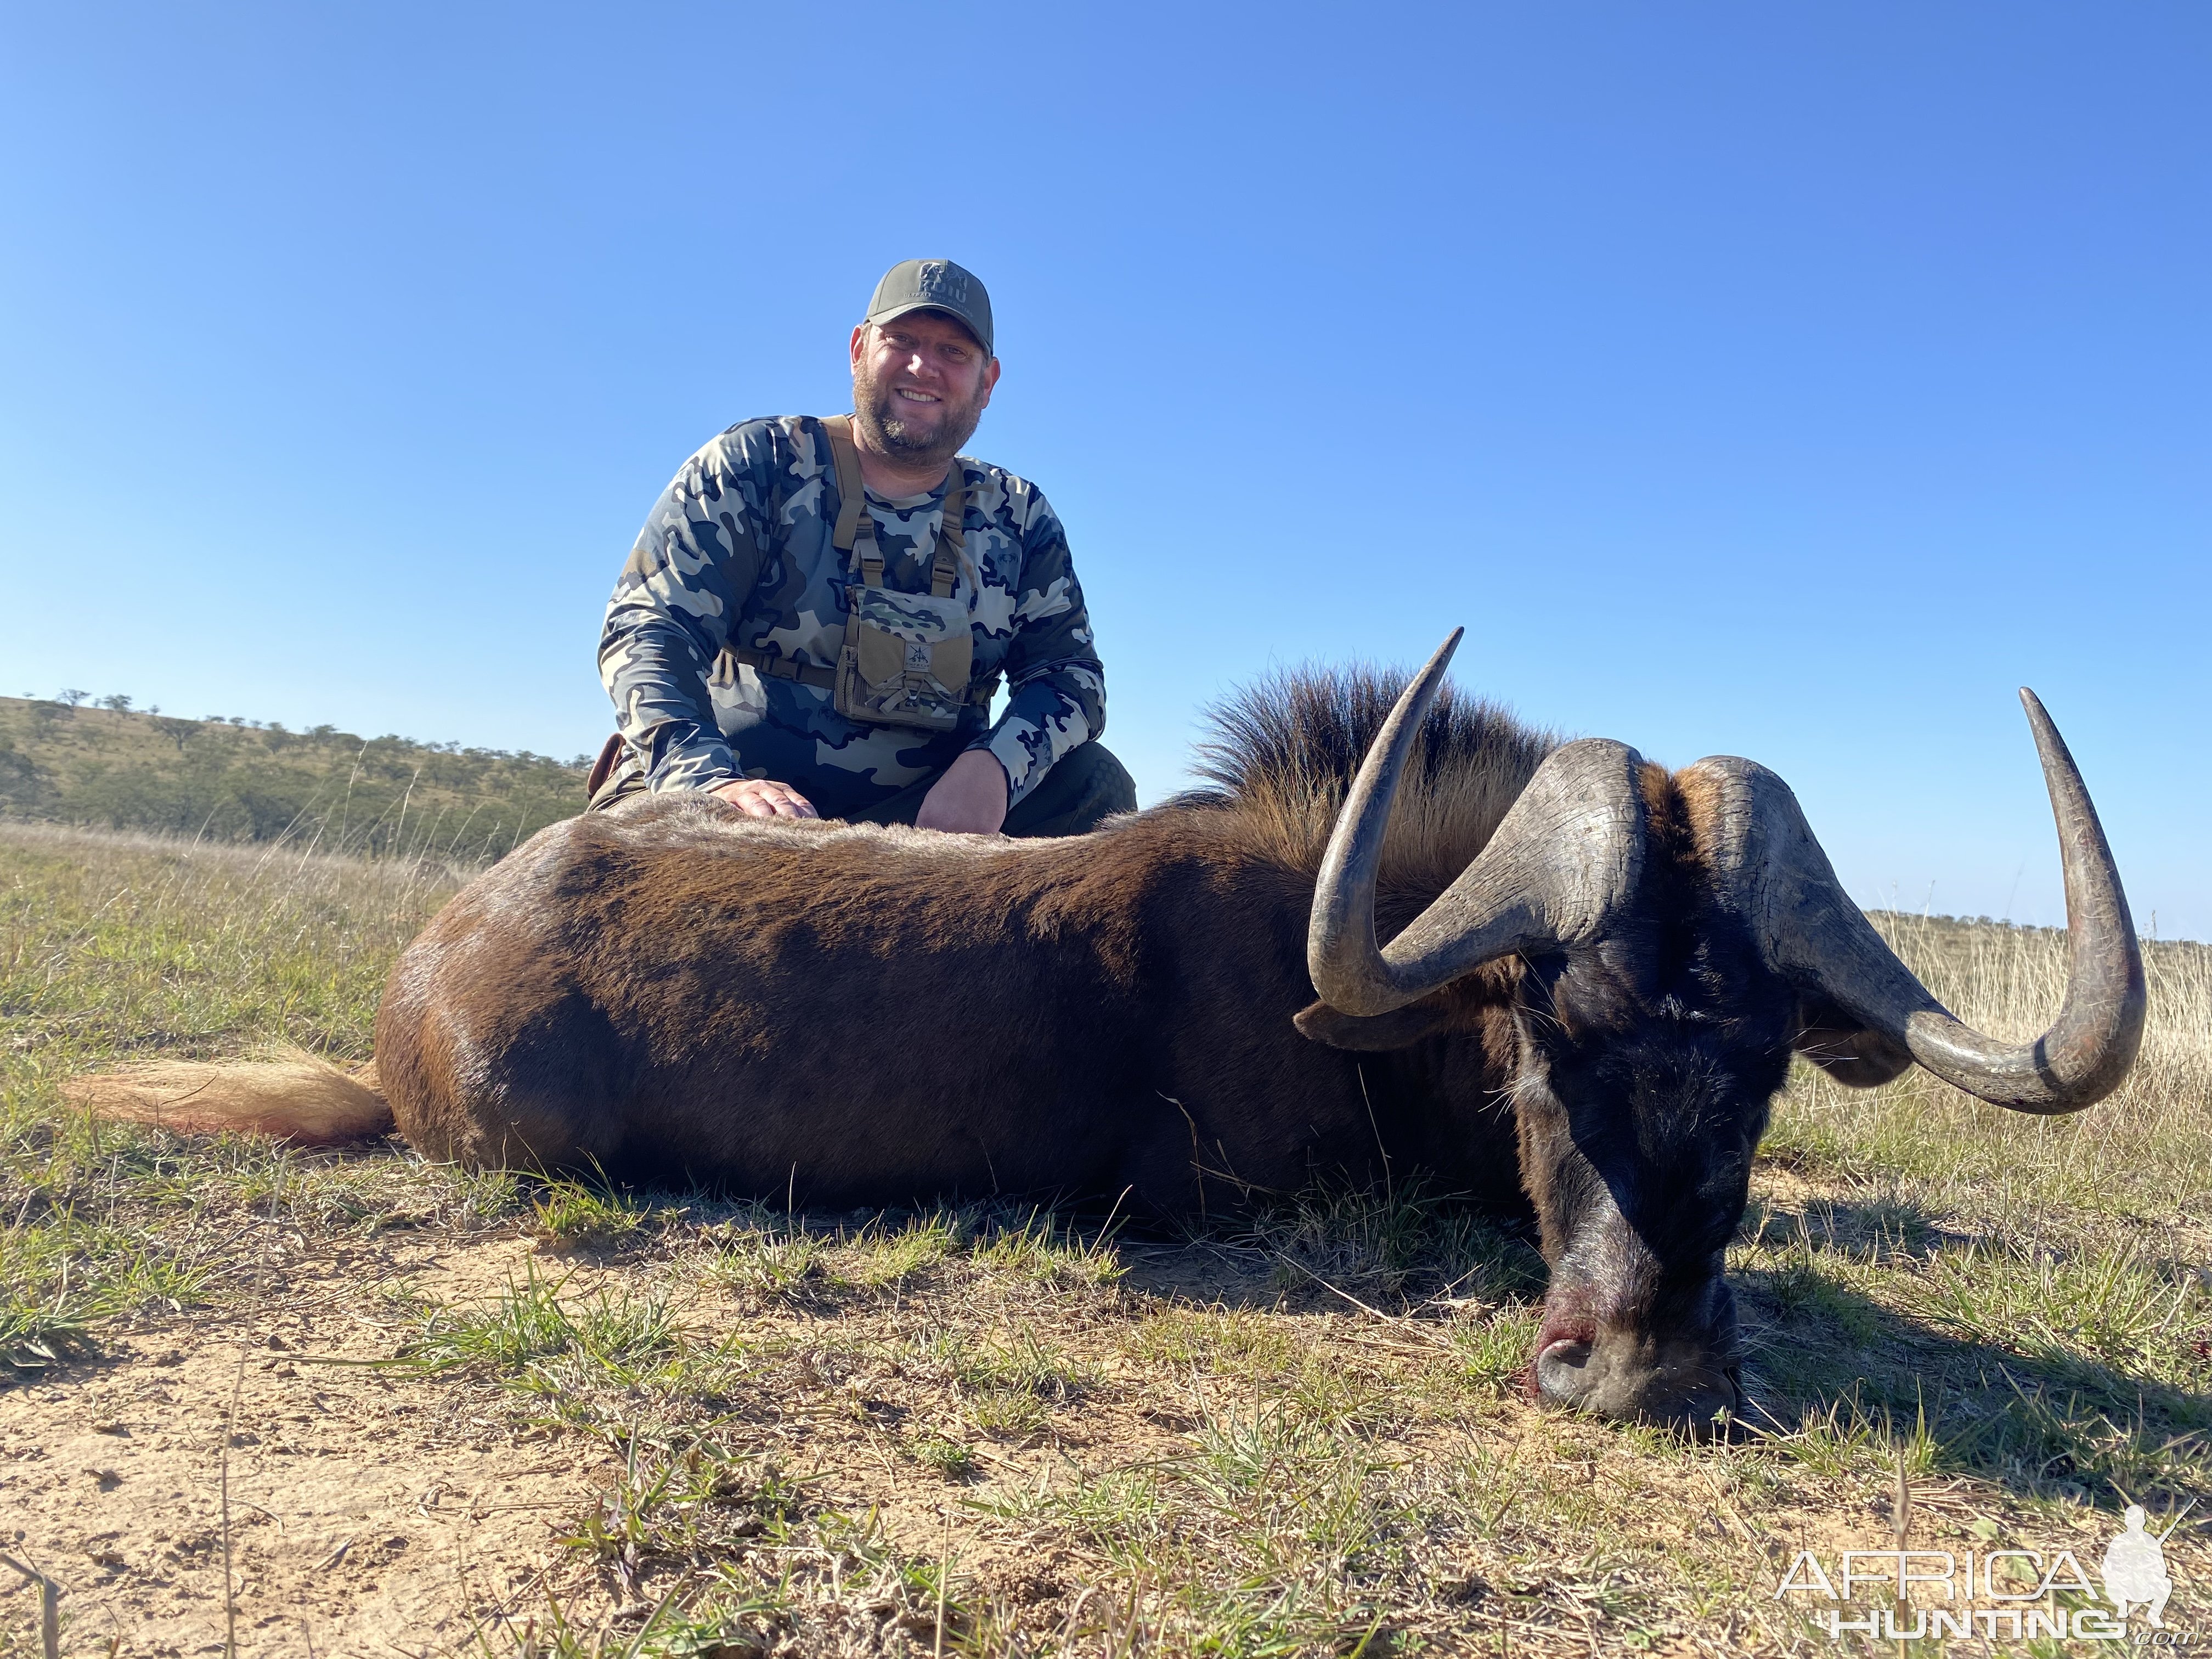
{"points": [[1563, 1368]]}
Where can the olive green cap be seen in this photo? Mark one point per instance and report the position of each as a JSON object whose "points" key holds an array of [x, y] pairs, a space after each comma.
{"points": [[935, 285]]}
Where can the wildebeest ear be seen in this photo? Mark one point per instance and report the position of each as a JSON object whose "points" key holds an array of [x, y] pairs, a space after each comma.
{"points": [[1844, 1050], [1372, 1033]]}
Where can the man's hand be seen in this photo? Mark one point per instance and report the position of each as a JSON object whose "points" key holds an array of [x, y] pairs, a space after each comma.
{"points": [[970, 798], [764, 798]]}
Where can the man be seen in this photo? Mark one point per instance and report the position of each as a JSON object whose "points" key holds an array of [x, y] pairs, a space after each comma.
{"points": [[800, 631]]}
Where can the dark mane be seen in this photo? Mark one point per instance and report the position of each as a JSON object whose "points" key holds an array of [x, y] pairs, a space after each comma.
{"points": [[1280, 754]]}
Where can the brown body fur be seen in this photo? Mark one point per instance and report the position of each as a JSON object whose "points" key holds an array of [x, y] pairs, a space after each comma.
{"points": [[857, 1014]]}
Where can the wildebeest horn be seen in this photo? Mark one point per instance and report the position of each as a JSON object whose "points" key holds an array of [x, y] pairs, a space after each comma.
{"points": [[1565, 855], [1774, 873]]}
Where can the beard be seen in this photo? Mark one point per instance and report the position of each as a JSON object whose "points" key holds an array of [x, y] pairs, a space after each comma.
{"points": [[880, 413]]}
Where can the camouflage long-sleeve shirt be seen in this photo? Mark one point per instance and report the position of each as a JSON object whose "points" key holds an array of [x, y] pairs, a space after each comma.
{"points": [[738, 551]]}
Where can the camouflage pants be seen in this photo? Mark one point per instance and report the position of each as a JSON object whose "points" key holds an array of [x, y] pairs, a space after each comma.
{"points": [[1085, 785]]}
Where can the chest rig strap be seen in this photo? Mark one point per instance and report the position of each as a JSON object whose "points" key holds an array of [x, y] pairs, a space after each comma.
{"points": [[854, 536], [855, 533]]}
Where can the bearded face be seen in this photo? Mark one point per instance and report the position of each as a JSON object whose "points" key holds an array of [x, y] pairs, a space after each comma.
{"points": [[920, 385]]}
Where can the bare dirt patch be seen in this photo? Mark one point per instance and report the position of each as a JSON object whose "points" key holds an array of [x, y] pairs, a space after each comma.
{"points": [[358, 1511]]}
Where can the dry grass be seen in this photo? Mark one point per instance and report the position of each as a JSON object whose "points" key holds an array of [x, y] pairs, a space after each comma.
{"points": [[216, 780], [2146, 1153], [726, 1430]]}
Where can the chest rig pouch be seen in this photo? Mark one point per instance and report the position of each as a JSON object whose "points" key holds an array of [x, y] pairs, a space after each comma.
{"points": [[906, 657]]}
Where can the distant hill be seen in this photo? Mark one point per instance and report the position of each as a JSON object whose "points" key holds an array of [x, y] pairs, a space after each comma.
{"points": [[238, 780]]}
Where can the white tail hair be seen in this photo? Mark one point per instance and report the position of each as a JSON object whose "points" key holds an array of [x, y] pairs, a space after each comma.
{"points": [[297, 1097]]}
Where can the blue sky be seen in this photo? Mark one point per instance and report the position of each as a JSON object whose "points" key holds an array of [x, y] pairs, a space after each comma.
{"points": [[1786, 381]]}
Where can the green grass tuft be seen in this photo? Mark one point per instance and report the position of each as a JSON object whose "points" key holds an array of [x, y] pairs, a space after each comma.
{"points": [[568, 1212]]}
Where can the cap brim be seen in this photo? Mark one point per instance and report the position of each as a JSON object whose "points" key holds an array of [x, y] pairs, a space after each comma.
{"points": [[893, 314]]}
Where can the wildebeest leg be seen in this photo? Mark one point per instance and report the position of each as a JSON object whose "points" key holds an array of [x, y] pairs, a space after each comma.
{"points": [[1175, 1163]]}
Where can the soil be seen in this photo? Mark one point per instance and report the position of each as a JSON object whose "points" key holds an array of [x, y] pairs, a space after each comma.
{"points": [[374, 1513], [356, 1511], [371, 1511]]}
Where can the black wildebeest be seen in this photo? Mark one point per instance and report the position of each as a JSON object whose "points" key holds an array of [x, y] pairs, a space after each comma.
{"points": [[1595, 973]]}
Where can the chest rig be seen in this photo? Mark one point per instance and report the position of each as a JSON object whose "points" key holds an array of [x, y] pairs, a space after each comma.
{"points": [[907, 658]]}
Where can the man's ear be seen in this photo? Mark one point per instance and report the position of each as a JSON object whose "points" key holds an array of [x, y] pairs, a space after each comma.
{"points": [[1855, 1056], [1375, 1033]]}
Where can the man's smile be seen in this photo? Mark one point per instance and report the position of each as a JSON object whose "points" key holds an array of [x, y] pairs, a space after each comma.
{"points": [[918, 386]]}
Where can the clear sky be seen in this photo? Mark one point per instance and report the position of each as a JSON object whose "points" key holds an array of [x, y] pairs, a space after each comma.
{"points": [[1789, 381]]}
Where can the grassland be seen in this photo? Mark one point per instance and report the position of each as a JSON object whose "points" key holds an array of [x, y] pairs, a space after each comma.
{"points": [[236, 780], [353, 1402]]}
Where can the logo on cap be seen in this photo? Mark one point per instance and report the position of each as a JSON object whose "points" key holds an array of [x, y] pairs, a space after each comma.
{"points": [[939, 280]]}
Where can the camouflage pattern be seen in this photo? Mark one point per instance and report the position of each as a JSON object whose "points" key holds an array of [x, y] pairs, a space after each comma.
{"points": [[737, 550]]}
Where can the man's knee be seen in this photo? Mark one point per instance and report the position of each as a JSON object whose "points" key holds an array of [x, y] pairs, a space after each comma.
{"points": [[1086, 787]]}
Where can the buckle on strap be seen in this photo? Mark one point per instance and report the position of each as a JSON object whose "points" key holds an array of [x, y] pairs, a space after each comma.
{"points": [[776, 665]]}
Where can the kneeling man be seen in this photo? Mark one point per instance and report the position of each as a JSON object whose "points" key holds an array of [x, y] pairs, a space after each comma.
{"points": [[817, 613]]}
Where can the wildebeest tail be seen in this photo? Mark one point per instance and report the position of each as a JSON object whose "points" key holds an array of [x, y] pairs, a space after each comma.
{"points": [[296, 1097]]}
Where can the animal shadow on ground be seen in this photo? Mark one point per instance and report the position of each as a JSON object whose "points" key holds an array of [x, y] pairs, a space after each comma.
{"points": [[2029, 1362], [2058, 1367]]}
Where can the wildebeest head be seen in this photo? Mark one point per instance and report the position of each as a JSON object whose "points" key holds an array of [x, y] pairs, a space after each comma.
{"points": [[1678, 937]]}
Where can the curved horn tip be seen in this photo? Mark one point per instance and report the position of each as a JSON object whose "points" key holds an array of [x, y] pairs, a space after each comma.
{"points": [[1413, 701], [1445, 652], [2050, 746]]}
